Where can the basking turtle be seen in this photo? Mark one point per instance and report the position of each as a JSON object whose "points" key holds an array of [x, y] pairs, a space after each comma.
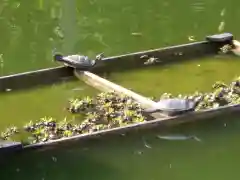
{"points": [[77, 61], [173, 106]]}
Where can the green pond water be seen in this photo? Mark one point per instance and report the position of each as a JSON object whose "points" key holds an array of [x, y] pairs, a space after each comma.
{"points": [[180, 78], [30, 31], [36, 103]]}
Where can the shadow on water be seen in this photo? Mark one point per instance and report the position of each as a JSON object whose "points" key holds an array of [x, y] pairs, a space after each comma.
{"points": [[55, 164]]}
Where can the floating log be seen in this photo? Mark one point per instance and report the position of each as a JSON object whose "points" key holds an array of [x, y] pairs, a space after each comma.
{"points": [[105, 85]]}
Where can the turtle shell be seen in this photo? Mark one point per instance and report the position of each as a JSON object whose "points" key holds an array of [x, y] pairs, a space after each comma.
{"points": [[174, 105], [78, 61], [220, 37]]}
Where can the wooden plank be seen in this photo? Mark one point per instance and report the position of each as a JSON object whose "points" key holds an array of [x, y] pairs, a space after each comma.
{"points": [[105, 85], [125, 62]]}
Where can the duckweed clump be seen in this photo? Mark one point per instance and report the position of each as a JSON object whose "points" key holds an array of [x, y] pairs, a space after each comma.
{"points": [[105, 111]]}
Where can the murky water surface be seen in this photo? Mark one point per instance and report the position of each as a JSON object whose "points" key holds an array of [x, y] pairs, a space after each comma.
{"points": [[30, 32]]}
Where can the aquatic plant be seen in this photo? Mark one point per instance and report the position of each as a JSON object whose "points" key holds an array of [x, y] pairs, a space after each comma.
{"points": [[106, 110], [5, 135], [225, 49], [109, 110]]}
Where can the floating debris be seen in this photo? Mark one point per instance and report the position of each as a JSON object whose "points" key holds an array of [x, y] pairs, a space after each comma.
{"points": [[58, 32], [1, 61], [54, 159], [221, 26], [223, 11], [100, 39], [191, 38], [77, 89], [138, 152], [198, 6], [136, 34], [196, 138], [178, 137], [146, 144], [8, 90]]}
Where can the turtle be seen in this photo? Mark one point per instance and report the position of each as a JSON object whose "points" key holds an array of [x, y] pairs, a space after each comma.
{"points": [[172, 105], [77, 61]]}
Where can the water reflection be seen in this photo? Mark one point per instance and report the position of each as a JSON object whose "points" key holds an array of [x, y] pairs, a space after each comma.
{"points": [[68, 23]]}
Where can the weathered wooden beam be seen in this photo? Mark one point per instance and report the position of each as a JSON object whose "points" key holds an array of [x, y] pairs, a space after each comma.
{"points": [[105, 85]]}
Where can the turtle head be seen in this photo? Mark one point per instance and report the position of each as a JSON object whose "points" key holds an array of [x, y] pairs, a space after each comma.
{"points": [[236, 47], [236, 43], [57, 57], [100, 56]]}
